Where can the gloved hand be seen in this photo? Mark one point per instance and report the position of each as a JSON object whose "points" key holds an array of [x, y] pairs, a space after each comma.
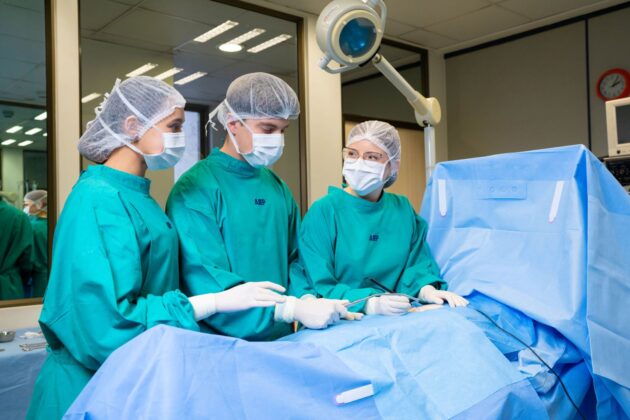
{"points": [[312, 313], [387, 305], [430, 294], [238, 298]]}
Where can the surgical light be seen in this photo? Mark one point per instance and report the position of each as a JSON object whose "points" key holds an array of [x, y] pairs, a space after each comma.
{"points": [[349, 32]]}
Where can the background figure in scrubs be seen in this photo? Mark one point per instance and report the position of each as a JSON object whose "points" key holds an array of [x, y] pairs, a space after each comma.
{"points": [[114, 268], [16, 248], [237, 220], [36, 207], [359, 241]]}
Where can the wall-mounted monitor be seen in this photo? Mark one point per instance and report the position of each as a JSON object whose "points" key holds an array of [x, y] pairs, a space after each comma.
{"points": [[618, 126]]}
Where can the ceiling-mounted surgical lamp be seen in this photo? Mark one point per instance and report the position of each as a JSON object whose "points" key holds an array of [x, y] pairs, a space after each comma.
{"points": [[349, 32]]}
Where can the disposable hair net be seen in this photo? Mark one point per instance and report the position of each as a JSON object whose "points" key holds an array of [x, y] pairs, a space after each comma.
{"points": [[383, 135], [146, 98], [257, 96], [38, 197]]}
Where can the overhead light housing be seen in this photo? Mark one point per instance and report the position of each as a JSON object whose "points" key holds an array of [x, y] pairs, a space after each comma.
{"points": [[216, 31], [230, 48], [168, 73], [246, 36], [8, 142], [25, 143], [14, 129], [141, 70], [33, 131], [190, 78], [41, 116], [269, 43], [90, 97]]}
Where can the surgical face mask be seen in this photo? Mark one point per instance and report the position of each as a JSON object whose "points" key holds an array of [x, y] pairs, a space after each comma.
{"points": [[174, 149], [364, 177], [26, 211], [266, 148]]}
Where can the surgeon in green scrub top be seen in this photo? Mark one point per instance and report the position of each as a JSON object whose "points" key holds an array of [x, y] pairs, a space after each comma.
{"points": [[237, 220], [36, 206], [360, 240], [114, 267], [16, 250]]}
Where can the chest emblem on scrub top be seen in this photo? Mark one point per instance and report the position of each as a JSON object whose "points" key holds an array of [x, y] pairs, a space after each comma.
{"points": [[374, 237], [259, 201]]}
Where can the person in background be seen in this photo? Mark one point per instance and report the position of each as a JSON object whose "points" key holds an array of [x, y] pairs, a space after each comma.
{"points": [[360, 240], [16, 249], [36, 207], [114, 267], [237, 220]]}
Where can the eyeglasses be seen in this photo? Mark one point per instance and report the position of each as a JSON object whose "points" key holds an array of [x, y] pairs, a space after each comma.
{"points": [[352, 154]]}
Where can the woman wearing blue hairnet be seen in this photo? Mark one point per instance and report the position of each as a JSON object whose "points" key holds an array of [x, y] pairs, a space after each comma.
{"points": [[114, 267], [360, 240]]}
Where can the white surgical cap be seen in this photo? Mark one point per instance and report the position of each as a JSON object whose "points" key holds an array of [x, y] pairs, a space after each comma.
{"points": [[38, 198], [257, 96], [383, 135], [146, 98]]}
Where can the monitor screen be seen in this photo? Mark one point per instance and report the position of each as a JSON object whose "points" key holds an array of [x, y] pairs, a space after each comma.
{"points": [[623, 124]]}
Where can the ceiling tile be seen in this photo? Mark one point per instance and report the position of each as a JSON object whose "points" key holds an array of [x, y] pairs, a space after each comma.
{"points": [[210, 13], [156, 28], [421, 13], [310, 6], [428, 39], [395, 28], [22, 49], [21, 23], [538, 9], [95, 14], [482, 22]]}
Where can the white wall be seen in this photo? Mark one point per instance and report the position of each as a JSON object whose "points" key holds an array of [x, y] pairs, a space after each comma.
{"points": [[535, 92], [521, 95], [609, 47]]}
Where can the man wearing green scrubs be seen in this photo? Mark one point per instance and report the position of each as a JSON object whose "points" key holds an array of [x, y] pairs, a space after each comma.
{"points": [[237, 220], [360, 241], [35, 205], [16, 248]]}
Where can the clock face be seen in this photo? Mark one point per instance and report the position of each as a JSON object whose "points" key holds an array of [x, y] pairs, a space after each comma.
{"points": [[612, 85]]}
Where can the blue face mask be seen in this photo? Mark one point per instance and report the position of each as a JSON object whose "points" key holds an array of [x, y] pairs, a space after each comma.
{"points": [[174, 149], [364, 177]]}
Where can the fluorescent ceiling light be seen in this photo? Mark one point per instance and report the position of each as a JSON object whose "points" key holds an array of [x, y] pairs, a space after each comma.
{"points": [[90, 97], [33, 131], [7, 142], [168, 73], [246, 36], [25, 143], [216, 31], [190, 78], [45, 134], [228, 47], [141, 70], [268, 44], [41, 116], [14, 129]]}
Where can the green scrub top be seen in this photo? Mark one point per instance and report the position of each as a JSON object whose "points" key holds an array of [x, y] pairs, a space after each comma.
{"points": [[347, 242], [16, 248], [236, 224], [113, 276], [40, 255]]}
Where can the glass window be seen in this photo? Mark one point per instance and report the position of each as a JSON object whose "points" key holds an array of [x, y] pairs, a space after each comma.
{"points": [[24, 145], [180, 43]]}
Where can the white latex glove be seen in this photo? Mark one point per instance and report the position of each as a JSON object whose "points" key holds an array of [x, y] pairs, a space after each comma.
{"points": [[312, 313], [387, 305], [239, 298], [430, 294]]}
